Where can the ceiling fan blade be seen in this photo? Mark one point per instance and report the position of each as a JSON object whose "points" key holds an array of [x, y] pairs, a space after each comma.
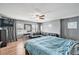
{"points": [[42, 16]]}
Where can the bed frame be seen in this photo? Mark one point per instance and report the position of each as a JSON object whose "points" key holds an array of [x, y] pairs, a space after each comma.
{"points": [[26, 52], [75, 50]]}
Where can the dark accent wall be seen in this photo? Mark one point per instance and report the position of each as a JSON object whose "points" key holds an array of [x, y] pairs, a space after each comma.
{"points": [[8, 30], [70, 33]]}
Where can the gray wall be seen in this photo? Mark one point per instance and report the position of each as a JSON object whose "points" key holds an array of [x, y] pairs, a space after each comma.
{"points": [[51, 27], [70, 33]]}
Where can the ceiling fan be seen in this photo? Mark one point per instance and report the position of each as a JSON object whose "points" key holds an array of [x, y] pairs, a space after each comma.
{"points": [[40, 14], [40, 17]]}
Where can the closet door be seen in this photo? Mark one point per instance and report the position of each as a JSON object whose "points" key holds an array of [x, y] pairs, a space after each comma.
{"points": [[10, 32]]}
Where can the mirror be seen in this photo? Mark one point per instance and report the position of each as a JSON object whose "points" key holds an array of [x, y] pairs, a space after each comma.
{"points": [[28, 27]]}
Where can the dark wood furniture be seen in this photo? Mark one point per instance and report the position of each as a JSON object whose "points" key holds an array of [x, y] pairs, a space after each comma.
{"points": [[3, 41], [7, 30], [6, 22]]}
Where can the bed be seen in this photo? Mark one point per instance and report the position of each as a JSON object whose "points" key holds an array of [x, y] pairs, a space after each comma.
{"points": [[50, 45]]}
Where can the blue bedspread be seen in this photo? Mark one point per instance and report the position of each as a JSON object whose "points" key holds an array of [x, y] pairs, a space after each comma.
{"points": [[49, 45]]}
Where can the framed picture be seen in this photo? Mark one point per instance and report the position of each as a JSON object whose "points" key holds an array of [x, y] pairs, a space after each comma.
{"points": [[28, 27], [72, 25]]}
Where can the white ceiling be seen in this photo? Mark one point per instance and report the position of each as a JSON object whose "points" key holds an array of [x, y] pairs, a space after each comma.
{"points": [[52, 11]]}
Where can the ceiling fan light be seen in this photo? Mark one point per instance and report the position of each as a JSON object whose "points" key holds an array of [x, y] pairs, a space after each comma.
{"points": [[41, 18]]}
